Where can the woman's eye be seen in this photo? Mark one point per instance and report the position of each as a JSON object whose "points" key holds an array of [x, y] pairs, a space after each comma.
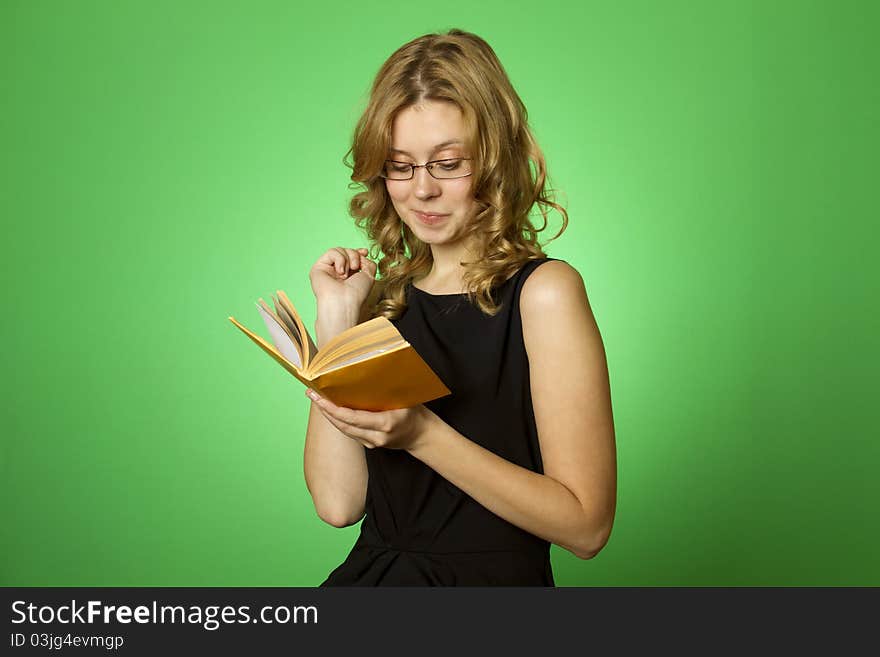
{"points": [[400, 167], [450, 165]]}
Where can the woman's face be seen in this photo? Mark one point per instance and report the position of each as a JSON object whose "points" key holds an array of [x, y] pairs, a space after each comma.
{"points": [[423, 133]]}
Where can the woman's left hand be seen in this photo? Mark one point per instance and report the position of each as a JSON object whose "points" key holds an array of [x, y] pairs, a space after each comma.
{"points": [[397, 429]]}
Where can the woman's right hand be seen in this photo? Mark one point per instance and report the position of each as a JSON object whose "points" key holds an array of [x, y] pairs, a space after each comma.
{"points": [[342, 278]]}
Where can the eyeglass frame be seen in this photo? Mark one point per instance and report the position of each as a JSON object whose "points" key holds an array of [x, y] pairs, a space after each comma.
{"points": [[426, 166]]}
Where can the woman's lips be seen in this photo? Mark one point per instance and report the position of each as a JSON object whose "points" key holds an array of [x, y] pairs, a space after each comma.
{"points": [[430, 219]]}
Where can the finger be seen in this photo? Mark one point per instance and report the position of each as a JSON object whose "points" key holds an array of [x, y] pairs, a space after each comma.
{"points": [[366, 420], [354, 259], [334, 261], [350, 421], [340, 260], [331, 257], [365, 437], [368, 267], [349, 431], [330, 410]]}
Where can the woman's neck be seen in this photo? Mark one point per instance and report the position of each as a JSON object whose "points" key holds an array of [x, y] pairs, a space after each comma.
{"points": [[447, 274]]}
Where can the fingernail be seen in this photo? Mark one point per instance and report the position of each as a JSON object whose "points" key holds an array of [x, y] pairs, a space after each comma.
{"points": [[312, 395]]}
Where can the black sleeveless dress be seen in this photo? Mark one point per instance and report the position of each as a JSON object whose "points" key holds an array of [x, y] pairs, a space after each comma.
{"points": [[419, 529]]}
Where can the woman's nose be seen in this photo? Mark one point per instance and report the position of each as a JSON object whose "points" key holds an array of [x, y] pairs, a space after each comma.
{"points": [[425, 184]]}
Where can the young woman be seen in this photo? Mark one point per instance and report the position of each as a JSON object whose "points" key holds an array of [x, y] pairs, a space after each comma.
{"points": [[470, 489]]}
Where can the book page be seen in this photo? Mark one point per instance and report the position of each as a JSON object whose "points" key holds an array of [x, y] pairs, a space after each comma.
{"points": [[282, 341], [352, 341], [334, 365], [361, 350], [292, 333], [288, 321], [309, 348], [272, 352]]}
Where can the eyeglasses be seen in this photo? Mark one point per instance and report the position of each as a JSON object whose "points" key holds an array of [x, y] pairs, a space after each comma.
{"points": [[456, 167]]}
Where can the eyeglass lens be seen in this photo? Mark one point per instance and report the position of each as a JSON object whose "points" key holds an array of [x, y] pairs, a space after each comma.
{"points": [[450, 168]]}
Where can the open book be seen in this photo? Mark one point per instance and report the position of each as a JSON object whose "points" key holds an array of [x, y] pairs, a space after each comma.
{"points": [[368, 367]]}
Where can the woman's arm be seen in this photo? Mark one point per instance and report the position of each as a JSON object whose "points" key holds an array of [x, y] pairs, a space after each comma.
{"points": [[335, 466], [573, 503]]}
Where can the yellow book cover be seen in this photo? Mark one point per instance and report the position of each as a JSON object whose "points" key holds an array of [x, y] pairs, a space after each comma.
{"points": [[368, 367]]}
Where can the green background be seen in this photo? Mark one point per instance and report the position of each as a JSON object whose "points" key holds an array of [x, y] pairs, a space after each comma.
{"points": [[165, 163]]}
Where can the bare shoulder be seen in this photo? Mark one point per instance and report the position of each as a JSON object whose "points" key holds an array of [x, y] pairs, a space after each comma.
{"points": [[554, 307], [552, 286]]}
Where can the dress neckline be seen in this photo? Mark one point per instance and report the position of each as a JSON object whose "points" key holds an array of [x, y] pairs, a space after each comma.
{"points": [[458, 295], [431, 294]]}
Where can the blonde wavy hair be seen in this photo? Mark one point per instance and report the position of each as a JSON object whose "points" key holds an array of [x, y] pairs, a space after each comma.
{"points": [[509, 172]]}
